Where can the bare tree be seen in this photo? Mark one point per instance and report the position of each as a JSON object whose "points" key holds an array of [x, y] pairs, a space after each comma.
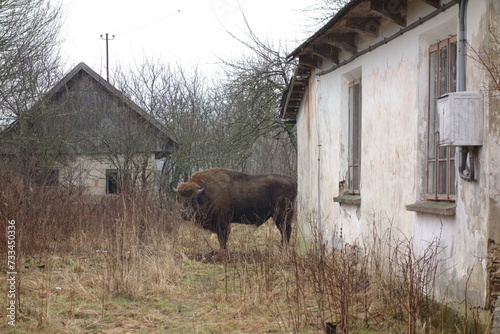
{"points": [[177, 98], [231, 122], [29, 53], [29, 65], [255, 84], [489, 58], [321, 12]]}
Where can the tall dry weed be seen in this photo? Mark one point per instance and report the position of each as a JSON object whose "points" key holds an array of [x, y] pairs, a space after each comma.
{"points": [[129, 236], [129, 247]]}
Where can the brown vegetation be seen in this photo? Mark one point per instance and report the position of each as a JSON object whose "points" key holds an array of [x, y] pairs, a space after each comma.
{"points": [[125, 264]]}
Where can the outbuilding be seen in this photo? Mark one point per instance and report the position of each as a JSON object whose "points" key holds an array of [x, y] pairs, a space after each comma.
{"points": [[397, 109]]}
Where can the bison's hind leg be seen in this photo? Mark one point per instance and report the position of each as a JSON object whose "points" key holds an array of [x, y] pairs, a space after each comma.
{"points": [[283, 219]]}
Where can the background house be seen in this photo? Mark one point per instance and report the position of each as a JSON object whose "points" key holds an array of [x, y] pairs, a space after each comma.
{"points": [[85, 132], [370, 160]]}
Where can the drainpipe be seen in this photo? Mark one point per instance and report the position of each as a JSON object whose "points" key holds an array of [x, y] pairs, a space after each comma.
{"points": [[461, 44], [318, 126], [464, 151]]}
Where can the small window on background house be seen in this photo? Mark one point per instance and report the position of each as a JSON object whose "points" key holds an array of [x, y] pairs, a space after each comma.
{"points": [[440, 160], [112, 186], [47, 177], [354, 162]]}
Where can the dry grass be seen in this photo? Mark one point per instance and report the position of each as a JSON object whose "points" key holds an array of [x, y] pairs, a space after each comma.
{"points": [[129, 265]]}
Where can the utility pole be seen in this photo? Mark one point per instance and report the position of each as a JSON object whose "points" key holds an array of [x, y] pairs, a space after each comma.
{"points": [[107, 38]]}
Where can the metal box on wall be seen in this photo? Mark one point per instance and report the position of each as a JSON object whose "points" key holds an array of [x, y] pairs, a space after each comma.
{"points": [[460, 119]]}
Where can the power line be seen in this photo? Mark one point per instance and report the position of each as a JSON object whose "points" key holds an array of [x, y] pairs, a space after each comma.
{"points": [[151, 23], [108, 37]]}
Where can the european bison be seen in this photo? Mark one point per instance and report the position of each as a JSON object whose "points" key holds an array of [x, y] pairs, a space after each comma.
{"points": [[218, 197]]}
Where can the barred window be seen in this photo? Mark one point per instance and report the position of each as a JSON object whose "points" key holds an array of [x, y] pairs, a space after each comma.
{"points": [[440, 160], [354, 137]]}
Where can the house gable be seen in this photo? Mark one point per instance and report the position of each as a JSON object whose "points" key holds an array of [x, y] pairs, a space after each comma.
{"points": [[92, 117], [105, 119]]}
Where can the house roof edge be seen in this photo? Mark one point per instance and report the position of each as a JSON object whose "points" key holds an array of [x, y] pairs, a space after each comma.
{"points": [[337, 17]]}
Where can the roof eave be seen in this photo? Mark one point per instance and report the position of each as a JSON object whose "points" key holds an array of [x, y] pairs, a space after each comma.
{"points": [[332, 22]]}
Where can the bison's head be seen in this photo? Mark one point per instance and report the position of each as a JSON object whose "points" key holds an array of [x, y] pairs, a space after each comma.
{"points": [[189, 196]]}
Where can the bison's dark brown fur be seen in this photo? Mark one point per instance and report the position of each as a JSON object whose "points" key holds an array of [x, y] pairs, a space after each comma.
{"points": [[218, 197]]}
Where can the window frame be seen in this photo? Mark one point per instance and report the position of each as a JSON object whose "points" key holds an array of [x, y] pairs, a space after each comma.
{"points": [[354, 139], [112, 182], [48, 177], [440, 156]]}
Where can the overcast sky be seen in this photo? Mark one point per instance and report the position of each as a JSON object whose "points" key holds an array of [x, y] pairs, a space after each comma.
{"points": [[190, 31]]}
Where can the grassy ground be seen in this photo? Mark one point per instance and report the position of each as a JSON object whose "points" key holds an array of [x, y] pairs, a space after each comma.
{"points": [[184, 287], [128, 266]]}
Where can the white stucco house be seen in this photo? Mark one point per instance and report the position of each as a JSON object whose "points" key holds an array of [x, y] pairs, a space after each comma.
{"points": [[397, 111]]}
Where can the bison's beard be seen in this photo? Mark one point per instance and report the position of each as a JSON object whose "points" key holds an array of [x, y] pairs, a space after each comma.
{"points": [[200, 216], [204, 220]]}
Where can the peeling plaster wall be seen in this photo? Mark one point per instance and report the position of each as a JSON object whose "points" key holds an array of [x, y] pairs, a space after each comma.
{"points": [[492, 171], [307, 136], [394, 122]]}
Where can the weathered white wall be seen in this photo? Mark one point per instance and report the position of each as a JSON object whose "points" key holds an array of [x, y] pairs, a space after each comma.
{"points": [[89, 172], [307, 136], [394, 121], [492, 131]]}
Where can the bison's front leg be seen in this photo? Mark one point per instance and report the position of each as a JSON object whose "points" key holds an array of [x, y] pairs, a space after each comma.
{"points": [[222, 232]]}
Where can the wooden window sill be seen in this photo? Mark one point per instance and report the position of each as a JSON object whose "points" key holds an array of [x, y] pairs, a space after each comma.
{"points": [[433, 207], [348, 199]]}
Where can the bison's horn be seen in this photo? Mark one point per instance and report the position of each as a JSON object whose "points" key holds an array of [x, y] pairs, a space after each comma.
{"points": [[202, 191], [174, 189]]}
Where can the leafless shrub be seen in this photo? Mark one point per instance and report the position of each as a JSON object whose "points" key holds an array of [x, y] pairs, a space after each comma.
{"points": [[137, 249], [129, 238], [363, 283], [417, 274]]}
